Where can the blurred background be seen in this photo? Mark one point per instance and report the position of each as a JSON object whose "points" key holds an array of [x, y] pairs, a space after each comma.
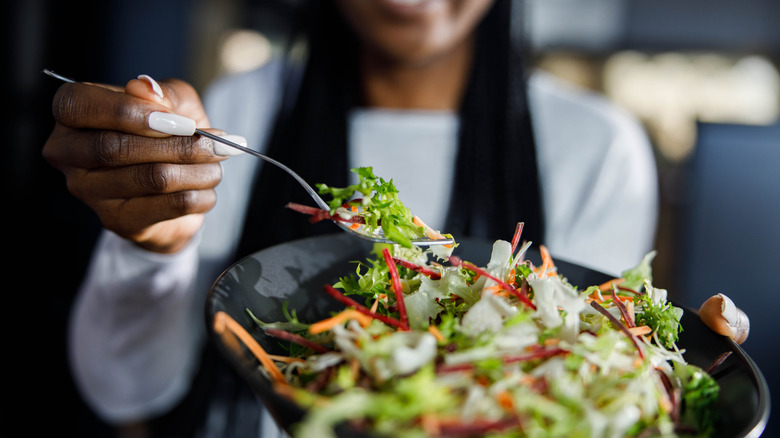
{"points": [[701, 75]]}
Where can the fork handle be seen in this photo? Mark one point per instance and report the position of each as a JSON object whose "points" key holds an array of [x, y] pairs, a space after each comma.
{"points": [[320, 202]]}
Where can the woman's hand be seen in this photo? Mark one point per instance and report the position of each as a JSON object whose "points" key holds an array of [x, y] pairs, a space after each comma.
{"points": [[146, 186]]}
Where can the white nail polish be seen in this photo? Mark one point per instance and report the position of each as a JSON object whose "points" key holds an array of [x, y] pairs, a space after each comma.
{"points": [[173, 124], [227, 151], [155, 86], [729, 310]]}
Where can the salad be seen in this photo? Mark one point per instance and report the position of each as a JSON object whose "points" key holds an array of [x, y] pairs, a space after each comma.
{"points": [[430, 345], [371, 205]]}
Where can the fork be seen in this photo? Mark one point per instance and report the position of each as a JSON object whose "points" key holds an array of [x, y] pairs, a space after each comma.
{"points": [[374, 237]]}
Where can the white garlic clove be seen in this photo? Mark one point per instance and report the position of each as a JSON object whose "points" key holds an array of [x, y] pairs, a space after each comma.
{"points": [[721, 315]]}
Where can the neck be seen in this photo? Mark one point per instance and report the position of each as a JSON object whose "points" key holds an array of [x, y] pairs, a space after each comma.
{"points": [[433, 85]]}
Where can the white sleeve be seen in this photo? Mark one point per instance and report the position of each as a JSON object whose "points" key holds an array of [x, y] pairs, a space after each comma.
{"points": [[132, 343], [138, 321]]}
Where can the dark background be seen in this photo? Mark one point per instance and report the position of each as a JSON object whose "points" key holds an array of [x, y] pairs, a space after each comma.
{"points": [[51, 234]]}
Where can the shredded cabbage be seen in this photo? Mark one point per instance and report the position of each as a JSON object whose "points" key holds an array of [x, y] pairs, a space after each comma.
{"points": [[477, 360], [509, 349]]}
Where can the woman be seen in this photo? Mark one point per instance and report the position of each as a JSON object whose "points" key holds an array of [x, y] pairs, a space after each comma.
{"points": [[430, 93]]}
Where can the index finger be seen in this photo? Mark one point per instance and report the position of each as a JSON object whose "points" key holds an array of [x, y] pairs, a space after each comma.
{"points": [[81, 105], [179, 96]]}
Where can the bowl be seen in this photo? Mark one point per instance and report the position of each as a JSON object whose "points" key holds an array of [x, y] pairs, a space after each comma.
{"points": [[291, 277]]}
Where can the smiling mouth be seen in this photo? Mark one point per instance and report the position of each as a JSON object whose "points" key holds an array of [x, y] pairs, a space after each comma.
{"points": [[409, 6]]}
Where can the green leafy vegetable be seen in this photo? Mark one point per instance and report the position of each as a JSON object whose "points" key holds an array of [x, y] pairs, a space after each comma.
{"points": [[699, 391], [660, 315], [477, 360], [379, 206]]}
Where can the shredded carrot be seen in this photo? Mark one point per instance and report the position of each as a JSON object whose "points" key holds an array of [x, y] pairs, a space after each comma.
{"points": [[551, 341], [285, 390], [432, 329], [608, 284], [665, 403], [547, 261], [339, 318], [286, 359], [641, 330], [430, 424], [223, 322], [354, 209], [596, 296], [430, 232], [503, 293], [495, 289], [505, 401], [229, 338], [354, 366], [354, 226]]}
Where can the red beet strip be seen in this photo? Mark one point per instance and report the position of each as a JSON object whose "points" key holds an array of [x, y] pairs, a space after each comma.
{"points": [[717, 362], [673, 395], [298, 339], [520, 295], [540, 353], [543, 353], [318, 214], [349, 302], [623, 310], [418, 268], [475, 428], [626, 289], [397, 288], [619, 325], [516, 237]]}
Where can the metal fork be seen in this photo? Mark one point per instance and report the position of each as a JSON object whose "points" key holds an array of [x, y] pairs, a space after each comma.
{"points": [[378, 237]]}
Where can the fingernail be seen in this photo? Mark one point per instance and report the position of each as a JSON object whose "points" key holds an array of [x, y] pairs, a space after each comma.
{"points": [[173, 124], [227, 151], [729, 310], [155, 86]]}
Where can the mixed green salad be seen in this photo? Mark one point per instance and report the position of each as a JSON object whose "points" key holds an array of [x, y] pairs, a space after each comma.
{"points": [[429, 345], [371, 206]]}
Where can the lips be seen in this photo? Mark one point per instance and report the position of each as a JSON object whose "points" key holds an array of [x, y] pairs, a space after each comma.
{"points": [[409, 7], [407, 2]]}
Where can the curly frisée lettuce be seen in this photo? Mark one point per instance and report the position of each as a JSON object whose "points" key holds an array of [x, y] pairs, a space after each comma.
{"points": [[372, 204], [430, 346]]}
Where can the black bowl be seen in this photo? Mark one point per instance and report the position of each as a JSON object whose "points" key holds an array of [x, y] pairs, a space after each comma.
{"points": [[293, 275]]}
